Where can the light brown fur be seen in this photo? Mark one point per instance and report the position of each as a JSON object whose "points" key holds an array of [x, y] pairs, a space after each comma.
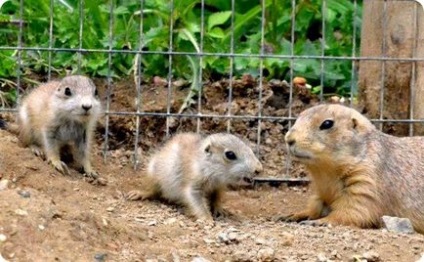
{"points": [[194, 171], [57, 115], [358, 173]]}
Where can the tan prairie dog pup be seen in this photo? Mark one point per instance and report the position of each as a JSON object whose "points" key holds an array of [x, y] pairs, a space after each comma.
{"points": [[61, 114], [193, 171], [358, 173]]}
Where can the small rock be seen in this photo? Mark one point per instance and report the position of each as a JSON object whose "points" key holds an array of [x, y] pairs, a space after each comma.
{"points": [[4, 184], [2, 238], [260, 241], [152, 223], [233, 237], [266, 254], [100, 257], [21, 212], [321, 257], [175, 256], [170, 221], [41, 227], [199, 259], [110, 209], [208, 241], [288, 239], [398, 225], [24, 193], [222, 237], [371, 256]]}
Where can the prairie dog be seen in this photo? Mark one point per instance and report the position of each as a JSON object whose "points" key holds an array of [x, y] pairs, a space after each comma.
{"points": [[358, 173], [193, 171], [59, 114]]}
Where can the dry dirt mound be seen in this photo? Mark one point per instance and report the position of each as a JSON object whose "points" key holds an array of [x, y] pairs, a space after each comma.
{"points": [[45, 216]]}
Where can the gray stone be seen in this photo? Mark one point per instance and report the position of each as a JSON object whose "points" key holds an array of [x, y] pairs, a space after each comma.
{"points": [[398, 225]]}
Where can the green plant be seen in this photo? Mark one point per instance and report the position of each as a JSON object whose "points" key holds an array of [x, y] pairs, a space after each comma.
{"points": [[184, 17]]}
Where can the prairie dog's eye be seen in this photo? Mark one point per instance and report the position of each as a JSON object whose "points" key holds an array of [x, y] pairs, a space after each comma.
{"points": [[230, 155], [68, 91], [96, 93], [327, 124]]}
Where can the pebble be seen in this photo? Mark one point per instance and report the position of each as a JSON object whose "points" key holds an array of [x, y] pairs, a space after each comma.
{"points": [[288, 239], [222, 237], [24, 193], [100, 257], [2, 238], [170, 221], [370, 256], [199, 259], [41, 227], [266, 254], [152, 223], [260, 241], [110, 209], [21, 212], [4, 184], [233, 237], [321, 257], [398, 225]]}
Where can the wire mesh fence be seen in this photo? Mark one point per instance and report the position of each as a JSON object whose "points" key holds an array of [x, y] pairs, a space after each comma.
{"points": [[204, 42]]}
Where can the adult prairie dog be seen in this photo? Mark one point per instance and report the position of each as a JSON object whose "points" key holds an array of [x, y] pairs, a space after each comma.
{"points": [[358, 173], [61, 114], [193, 171]]}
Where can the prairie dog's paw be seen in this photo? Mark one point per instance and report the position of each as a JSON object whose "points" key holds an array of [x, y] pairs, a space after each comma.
{"points": [[134, 195], [91, 174], [219, 213], [314, 223], [97, 181], [298, 217], [38, 152], [60, 166]]}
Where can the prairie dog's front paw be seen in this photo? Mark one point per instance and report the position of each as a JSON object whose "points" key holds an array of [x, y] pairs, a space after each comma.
{"points": [[60, 166]]}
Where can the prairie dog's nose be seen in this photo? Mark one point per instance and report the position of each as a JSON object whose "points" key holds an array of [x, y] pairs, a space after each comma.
{"points": [[290, 141], [258, 168], [86, 107]]}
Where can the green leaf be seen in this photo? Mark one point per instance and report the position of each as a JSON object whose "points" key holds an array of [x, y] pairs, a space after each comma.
{"points": [[121, 10], [216, 32], [218, 19], [185, 34]]}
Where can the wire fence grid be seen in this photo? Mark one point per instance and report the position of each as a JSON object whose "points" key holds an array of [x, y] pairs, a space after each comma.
{"points": [[200, 53]]}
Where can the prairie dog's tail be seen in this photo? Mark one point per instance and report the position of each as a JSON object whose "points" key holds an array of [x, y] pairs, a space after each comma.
{"points": [[12, 128]]}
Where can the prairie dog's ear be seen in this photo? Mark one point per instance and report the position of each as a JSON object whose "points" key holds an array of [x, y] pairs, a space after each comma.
{"points": [[358, 125], [208, 149], [355, 123]]}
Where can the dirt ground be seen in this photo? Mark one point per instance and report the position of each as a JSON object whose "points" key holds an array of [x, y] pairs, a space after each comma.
{"points": [[45, 216]]}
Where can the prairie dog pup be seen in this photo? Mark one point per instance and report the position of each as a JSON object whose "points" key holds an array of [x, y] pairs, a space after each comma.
{"points": [[194, 171], [58, 114], [358, 173]]}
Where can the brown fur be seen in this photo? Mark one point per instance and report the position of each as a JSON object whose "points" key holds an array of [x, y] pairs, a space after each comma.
{"points": [[60, 115], [358, 173], [194, 171]]}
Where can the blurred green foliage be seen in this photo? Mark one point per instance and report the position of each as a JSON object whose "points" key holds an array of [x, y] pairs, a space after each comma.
{"points": [[184, 17]]}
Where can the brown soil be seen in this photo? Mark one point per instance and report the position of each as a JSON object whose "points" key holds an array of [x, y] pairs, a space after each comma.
{"points": [[45, 216]]}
